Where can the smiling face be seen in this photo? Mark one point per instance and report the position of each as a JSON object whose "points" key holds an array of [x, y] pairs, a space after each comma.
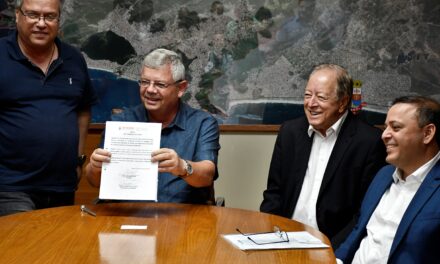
{"points": [[404, 139], [162, 103], [37, 35], [321, 104]]}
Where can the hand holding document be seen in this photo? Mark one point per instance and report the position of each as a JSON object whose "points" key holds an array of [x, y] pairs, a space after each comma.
{"points": [[260, 241], [130, 175]]}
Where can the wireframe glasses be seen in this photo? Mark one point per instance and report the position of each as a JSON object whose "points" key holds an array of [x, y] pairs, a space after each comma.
{"points": [[157, 85], [257, 238], [35, 17]]}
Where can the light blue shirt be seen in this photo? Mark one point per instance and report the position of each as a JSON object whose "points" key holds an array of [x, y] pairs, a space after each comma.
{"points": [[194, 135]]}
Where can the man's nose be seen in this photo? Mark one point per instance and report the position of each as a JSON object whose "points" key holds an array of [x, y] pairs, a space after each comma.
{"points": [[313, 100], [386, 134], [41, 22], [151, 88]]}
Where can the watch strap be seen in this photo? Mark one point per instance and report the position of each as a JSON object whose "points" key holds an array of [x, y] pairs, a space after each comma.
{"points": [[81, 160]]}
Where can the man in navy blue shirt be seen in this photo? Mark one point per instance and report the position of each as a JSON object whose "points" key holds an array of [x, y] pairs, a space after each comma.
{"points": [[189, 139], [45, 99]]}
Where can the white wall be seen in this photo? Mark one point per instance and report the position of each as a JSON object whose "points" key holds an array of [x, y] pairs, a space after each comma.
{"points": [[243, 165]]}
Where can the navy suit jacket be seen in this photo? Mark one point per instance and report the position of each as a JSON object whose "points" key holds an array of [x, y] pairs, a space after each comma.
{"points": [[417, 238], [356, 157]]}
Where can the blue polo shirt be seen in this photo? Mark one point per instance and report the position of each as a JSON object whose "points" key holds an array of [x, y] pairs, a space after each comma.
{"points": [[38, 118], [194, 135]]}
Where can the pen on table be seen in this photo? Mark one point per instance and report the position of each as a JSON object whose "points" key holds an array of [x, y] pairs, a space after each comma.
{"points": [[87, 210]]}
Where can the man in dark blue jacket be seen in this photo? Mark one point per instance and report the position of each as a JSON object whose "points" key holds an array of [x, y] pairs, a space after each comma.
{"points": [[400, 215]]}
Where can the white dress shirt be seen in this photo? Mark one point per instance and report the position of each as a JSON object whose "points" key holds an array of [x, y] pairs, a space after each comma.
{"points": [[322, 146], [382, 226]]}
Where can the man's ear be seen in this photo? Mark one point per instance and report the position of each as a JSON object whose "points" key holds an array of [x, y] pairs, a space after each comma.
{"points": [[16, 15], [182, 86], [344, 104], [429, 133]]}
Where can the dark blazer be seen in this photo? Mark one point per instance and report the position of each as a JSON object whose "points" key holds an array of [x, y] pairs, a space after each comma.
{"points": [[356, 157], [417, 238]]}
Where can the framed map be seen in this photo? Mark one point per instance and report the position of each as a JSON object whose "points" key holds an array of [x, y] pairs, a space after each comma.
{"points": [[248, 61]]}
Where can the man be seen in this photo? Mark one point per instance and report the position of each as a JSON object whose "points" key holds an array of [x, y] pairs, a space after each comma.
{"points": [[323, 163], [400, 215], [189, 139], [45, 99]]}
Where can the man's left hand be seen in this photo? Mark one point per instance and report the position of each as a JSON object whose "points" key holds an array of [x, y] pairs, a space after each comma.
{"points": [[169, 161]]}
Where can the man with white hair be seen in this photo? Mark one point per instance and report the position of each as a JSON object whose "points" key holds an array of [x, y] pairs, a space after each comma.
{"points": [[189, 139]]}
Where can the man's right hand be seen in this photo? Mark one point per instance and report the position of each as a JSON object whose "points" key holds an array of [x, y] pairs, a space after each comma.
{"points": [[98, 157], [93, 169]]}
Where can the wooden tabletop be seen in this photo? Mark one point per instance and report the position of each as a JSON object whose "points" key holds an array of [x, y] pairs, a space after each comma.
{"points": [[176, 233]]}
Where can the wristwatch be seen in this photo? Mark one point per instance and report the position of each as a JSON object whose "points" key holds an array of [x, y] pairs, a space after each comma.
{"points": [[188, 169], [81, 160]]}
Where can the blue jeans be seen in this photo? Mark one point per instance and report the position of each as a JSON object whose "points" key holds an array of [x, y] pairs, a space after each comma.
{"points": [[16, 202]]}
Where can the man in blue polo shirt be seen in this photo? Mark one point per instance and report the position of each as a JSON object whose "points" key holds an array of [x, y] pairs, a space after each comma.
{"points": [[45, 99], [189, 139]]}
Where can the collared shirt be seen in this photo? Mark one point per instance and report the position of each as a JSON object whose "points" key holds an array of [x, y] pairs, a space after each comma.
{"points": [[383, 224], [305, 210], [194, 135], [38, 118]]}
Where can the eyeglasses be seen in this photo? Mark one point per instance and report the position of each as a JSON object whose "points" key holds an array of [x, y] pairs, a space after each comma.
{"points": [[157, 85], [262, 239], [35, 17]]}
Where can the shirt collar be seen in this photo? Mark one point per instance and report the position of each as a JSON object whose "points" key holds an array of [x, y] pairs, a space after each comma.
{"points": [[418, 175], [180, 118], [13, 48], [336, 127]]}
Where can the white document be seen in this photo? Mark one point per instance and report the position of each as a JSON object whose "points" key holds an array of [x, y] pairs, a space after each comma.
{"points": [[296, 240], [130, 175]]}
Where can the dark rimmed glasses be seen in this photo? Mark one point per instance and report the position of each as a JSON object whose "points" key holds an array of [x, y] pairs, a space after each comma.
{"points": [[279, 237], [35, 17]]}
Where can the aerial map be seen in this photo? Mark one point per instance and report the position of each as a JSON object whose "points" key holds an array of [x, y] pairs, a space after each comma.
{"points": [[248, 61]]}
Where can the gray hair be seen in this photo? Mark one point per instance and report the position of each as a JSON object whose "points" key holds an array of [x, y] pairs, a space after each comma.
{"points": [[19, 3], [343, 80], [160, 57]]}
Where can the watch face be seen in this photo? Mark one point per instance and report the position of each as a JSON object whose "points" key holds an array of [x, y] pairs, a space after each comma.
{"points": [[189, 168]]}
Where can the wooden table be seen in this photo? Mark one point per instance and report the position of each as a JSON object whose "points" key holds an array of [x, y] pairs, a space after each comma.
{"points": [[176, 233]]}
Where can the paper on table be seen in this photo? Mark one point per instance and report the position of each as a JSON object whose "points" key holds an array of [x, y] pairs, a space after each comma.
{"points": [[133, 227], [116, 248], [130, 175], [301, 239]]}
